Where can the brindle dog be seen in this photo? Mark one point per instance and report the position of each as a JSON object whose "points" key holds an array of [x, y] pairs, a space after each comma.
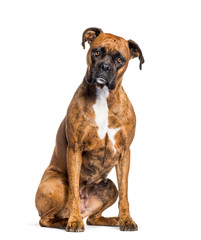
{"points": [[94, 136]]}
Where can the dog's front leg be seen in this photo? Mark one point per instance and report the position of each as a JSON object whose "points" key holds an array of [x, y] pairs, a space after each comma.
{"points": [[122, 170], [74, 161]]}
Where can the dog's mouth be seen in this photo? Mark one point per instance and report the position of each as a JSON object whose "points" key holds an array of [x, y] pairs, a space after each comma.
{"points": [[100, 82]]}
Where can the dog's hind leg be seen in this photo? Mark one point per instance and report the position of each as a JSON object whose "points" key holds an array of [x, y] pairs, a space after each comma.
{"points": [[51, 199], [54, 222], [106, 193]]}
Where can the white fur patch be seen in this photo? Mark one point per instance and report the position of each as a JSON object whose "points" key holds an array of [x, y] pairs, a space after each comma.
{"points": [[111, 133], [101, 112]]}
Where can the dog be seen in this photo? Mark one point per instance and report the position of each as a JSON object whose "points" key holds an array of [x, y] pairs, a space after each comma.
{"points": [[94, 136]]}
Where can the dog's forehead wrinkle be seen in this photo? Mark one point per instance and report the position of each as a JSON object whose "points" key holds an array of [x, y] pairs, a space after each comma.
{"points": [[111, 42]]}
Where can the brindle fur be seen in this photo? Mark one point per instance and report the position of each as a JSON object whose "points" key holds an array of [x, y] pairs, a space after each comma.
{"points": [[81, 160]]}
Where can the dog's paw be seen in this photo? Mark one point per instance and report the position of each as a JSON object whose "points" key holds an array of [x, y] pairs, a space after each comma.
{"points": [[75, 226], [128, 225]]}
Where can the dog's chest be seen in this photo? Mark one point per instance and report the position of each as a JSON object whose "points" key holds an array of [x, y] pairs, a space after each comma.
{"points": [[101, 116]]}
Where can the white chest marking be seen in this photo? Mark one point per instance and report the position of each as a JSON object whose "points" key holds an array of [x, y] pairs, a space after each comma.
{"points": [[101, 115]]}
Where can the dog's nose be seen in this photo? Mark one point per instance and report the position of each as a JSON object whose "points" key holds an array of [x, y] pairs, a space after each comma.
{"points": [[105, 67]]}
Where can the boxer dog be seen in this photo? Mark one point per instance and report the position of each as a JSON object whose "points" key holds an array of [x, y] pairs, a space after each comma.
{"points": [[94, 136]]}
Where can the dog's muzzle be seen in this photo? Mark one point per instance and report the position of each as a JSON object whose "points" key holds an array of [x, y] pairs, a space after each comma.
{"points": [[103, 73]]}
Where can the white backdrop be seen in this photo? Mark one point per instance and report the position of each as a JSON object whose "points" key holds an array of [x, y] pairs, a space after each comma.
{"points": [[41, 65]]}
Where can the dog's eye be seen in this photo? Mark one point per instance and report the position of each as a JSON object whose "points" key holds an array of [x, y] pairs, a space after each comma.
{"points": [[119, 59], [97, 53]]}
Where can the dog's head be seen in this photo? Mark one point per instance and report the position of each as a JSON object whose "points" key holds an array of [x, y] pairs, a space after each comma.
{"points": [[108, 57]]}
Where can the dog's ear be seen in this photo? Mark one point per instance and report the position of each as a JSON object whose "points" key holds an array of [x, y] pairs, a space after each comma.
{"points": [[135, 51], [89, 35]]}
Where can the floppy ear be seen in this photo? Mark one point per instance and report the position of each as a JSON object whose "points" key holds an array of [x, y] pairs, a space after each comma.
{"points": [[135, 51], [89, 35]]}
